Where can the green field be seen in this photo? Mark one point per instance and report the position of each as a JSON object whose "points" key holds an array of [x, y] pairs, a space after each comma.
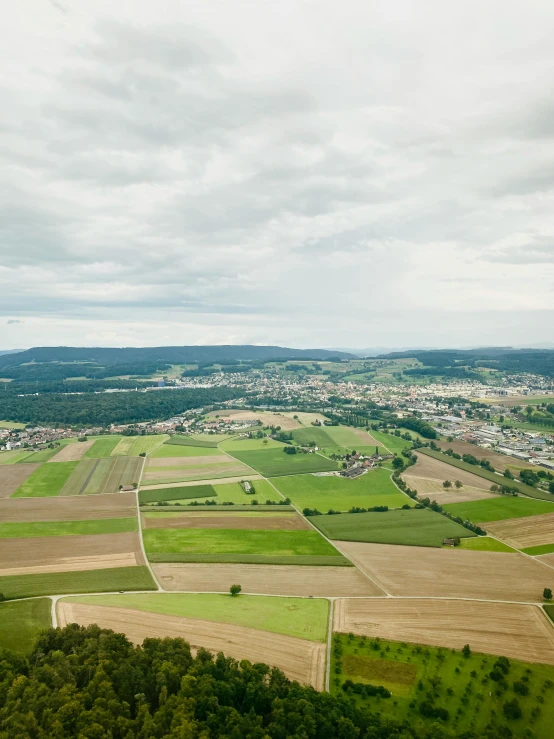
{"points": [[541, 549], [46, 481], [11, 425], [274, 462], [444, 677], [43, 455], [315, 434], [185, 450], [485, 544], [186, 492], [15, 455], [124, 446], [233, 492], [146, 444], [491, 476], [102, 447], [206, 441], [233, 541], [393, 443], [87, 581], [373, 488], [345, 436], [95, 476], [301, 617], [417, 527], [21, 622], [499, 509], [249, 445], [67, 528]]}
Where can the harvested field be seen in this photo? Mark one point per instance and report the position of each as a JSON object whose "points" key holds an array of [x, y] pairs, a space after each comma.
{"points": [[209, 520], [72, 452], [516, 631], [69, 553], [14, 475], [178, 462], [268, 579], [268, 419], [177, 469], [214, 481], [429, 488], [299, 659], [101, 476], [499, 461], [434, 469], [450, 573], [120, 505], [520, 533]]}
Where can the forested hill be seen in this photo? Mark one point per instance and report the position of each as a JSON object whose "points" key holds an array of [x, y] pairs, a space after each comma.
{"points": [[163, 354]]}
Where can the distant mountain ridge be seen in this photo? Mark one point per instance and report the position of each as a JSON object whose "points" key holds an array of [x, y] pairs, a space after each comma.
{"points": [[170, 354]]}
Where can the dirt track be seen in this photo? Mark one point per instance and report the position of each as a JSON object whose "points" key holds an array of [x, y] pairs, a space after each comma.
{"points": [[453, 573], [530, 531], [435, 469], [516, 631], [69, 553], [271, 522], [12, 476], [299, 659], [429, 488], [118, 505], [72, 452], [268, 579]]}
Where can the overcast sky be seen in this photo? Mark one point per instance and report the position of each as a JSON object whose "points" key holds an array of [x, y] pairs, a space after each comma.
{"points": [[304, 173]]}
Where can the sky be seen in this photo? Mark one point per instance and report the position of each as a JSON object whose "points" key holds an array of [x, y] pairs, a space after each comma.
{"points": [[304, 173]]}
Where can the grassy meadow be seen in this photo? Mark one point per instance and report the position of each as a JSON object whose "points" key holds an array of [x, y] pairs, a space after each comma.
{"points": [[499, 509], [274, 462], [46, 481], [10, 530], [21, 622]]}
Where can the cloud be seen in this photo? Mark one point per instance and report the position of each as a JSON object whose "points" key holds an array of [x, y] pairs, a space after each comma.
{"points": [[280, 175]]}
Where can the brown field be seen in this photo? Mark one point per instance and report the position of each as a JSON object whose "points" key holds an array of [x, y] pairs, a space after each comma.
{"points": [[428, 488], [119, 505], [268, 419], [72, 452], [364, 437], [435, 469], [69, 553], [547, 559], [524, 532], [498, 461], [12, 476], [267, 579], [184, 483], [450, 573], [516, 631], [299, 659], [209, 520]]}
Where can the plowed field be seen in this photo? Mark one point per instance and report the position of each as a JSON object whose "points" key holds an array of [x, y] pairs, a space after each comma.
{"points": [[434, 469], [120, 505], [299, 659], [524, 532], [14, 475], [516, 631]]}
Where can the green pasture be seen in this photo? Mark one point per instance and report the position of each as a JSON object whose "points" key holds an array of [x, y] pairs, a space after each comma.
{"points": [[184, 492], [394, 444], [15, 455], [46, 481], [345, 436], [11, 425], [485, 544], [85, 581], [341, 494], [416, 527], [233, 492], [444, 677], [102, 447], [301, 617], [185, 450], [499, 509], [316, 434], [123, 448], [10, 530], [274, 462], [538, 550], [21, 622], [146, 444], [249, 445]]}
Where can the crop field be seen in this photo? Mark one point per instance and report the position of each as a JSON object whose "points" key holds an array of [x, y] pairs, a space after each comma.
{"points": [[302, 580], [185, 450], [248, 520], [499, 508], [123, 448], [203, 441], [69, 554], [451, 572], [522, 533], [485, 544], [416, 674], [101, 476], [20, 510], [14, 456], [421, 527], [430, 488], [21, 622], [146, 444], [274, 462], [177, 493], [47, 480], [315, 434], [498, 461], [102, 447], [182, 469], [81, 581], [72, 452], [15, 530], [45, 455], [437, 469], [394, 444], [299, 659], [268, 419], [341, 494], [12, 476], [249, 445], [350, 437]]}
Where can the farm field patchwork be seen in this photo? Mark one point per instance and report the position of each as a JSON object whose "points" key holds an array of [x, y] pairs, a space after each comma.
{"points": [[174, 450], [499, 508], [103, 447], [233, 492], [248, 445], [522, 533], [146, 444], [274, 462], [350, 437], [82, 581], [451, 572], [45, 455], [12, 476], [21, 622], [267, 418], [302, 580], [123, 448], [19, 510], [182, 469], [248, 520], [72, 452], [101, 476], [11, 530], [421, 527], [341, 494], [47, 480]]}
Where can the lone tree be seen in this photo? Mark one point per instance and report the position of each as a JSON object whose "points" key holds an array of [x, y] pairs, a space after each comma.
{"points": [[235, 589], [466, 651], [547, 594], [459, 484], [447, 484]]}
